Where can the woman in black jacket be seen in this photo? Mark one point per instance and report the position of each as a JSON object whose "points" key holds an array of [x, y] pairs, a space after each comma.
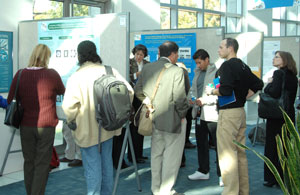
{"points": [[287, 73]]}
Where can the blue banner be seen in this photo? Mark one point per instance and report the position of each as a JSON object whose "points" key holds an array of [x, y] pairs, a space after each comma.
{"points": [[185, 41], [6, 61], [265, 4]]}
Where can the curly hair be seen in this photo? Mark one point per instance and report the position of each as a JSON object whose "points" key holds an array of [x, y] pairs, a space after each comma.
{"points": [[140, 47]]}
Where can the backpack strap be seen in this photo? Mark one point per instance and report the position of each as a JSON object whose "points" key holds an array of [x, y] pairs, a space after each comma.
{"points": [[108, 70]]}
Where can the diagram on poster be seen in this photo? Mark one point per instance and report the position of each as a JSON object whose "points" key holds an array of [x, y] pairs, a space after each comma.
{"points": [[63, 37]]}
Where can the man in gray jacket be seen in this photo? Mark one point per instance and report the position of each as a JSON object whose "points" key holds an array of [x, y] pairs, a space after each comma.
{"points": [[207, 120], [171, 105]]}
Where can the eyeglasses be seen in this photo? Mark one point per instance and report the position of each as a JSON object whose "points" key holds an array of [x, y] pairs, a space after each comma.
{"points": [[277, 57]]}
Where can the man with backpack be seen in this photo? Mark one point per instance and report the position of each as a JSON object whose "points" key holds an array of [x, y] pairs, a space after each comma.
{"points": [[170, 107], [81, 105]]}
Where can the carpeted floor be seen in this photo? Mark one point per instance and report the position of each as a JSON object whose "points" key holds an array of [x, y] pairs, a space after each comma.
{"points": [[71, 181]]}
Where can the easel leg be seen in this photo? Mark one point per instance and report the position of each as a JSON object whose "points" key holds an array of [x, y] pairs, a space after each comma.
{"points": [[7, 151], [255, 132], [126, 137]]}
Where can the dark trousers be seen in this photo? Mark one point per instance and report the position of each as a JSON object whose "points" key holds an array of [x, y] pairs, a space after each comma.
{"points": [[117, 147], [37, 146], [189, 119], [138, 141], [273, 128], [202, 132]]}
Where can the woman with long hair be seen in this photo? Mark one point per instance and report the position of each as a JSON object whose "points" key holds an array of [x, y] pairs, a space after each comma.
{"points": [[38, 88], [79, 106], [287, 75]]}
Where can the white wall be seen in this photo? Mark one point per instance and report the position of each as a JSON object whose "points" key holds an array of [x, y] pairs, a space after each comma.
{"points": [[260, 21], [144, 15], [11, 12]]}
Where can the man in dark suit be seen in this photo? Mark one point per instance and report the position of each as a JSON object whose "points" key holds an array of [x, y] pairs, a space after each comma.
{"points": [[169, 124]]}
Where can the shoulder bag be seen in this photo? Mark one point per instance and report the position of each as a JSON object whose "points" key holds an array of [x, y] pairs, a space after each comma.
{"points": [[144, 115], [269, 107], [14, 111]]}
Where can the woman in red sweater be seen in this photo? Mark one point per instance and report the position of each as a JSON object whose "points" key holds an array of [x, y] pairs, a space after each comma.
{"points": [[38, 88]]}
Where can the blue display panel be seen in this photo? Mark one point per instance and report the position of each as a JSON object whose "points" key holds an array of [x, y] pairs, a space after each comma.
{"points": [[185, 41], [6, 61]]}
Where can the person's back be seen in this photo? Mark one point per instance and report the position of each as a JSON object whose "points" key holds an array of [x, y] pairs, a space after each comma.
{"points": [[167, 102], [37, 91], [170, 107], [79, 106]]}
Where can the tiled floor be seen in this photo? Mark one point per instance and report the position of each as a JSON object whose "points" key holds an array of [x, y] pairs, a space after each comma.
{"points": [[18, 176]]}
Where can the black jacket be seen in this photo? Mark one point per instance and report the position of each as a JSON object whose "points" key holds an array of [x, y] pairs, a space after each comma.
{"points": [[274, 89], [236, 76]]}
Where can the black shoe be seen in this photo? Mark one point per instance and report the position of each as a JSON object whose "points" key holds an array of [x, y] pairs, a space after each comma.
{"points": [[138, 160], [270, 184], [182, 165], [144, 157], [124, 166], [65, 160], [189, 145], [75, 163]]}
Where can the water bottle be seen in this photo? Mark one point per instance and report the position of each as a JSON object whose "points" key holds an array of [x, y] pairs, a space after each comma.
{"points": [[210, 85], [198, 120]]}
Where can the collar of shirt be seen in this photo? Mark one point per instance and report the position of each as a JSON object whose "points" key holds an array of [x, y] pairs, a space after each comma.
{"points": [[140, 65], [34, 68], [167, 59]]}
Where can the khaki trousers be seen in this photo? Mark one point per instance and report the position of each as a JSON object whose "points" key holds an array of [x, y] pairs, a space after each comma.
{"points": [[232, 159], [166, 154]]}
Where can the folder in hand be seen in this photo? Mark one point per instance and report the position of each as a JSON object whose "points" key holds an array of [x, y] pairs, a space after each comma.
{"points": [[224, 100]]}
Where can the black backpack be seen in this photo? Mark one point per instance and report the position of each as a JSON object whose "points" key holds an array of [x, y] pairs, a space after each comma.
{"points": [[112, 101]]}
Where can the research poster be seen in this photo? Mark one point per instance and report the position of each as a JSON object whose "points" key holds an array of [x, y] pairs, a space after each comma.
{"points": [[63, 37], [185, 41], [270, 47], [6, 61]]}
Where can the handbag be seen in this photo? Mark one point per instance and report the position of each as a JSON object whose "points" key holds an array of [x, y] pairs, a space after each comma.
{"points": [[144, 116], [14, 111], [268, 107]]}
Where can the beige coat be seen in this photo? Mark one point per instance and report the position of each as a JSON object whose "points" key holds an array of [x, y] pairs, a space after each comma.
{"points": [[79, 104], [170, 102]]}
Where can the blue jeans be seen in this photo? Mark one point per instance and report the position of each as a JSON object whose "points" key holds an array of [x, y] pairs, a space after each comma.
{"points": [[98, 168]]}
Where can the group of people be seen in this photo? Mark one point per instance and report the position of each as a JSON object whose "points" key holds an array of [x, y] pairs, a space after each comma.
{"points": [[39, 86]]}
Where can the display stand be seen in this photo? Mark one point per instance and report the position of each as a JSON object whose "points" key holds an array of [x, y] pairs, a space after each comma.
{"points": [[255, 132], [134, 166], [8, 151]]}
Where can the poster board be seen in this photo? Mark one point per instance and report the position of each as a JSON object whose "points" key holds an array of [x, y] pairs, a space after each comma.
{"points": [[110, 32], [6, 60], [206, 38], [289, 44]]}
